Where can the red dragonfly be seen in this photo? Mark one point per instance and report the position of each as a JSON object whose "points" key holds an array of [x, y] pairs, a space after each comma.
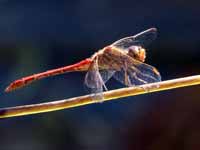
{"points": [[123, 60]]}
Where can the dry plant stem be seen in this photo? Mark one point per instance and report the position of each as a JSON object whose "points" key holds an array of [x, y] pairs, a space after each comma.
{"points": [[109, 95]]}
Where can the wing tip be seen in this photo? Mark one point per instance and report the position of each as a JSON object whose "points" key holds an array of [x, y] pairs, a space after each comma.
{"points": [[152, 30], [157, 73]]}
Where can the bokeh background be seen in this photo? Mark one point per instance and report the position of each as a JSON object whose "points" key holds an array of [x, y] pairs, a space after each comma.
{"points": [[38, 35]]}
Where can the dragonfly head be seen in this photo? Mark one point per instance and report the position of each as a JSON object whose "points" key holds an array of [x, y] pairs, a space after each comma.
{"points": [[137, 52]]}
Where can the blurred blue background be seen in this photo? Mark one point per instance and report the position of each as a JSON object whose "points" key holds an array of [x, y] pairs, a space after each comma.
{"points": [[39, 35]]}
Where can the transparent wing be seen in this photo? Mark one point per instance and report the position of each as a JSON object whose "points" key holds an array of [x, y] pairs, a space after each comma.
{"points": [[141, 39], [106, 74], [137, 73], [95, 79]]}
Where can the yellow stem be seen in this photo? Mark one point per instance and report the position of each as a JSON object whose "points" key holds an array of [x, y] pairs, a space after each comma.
{"points": [[109, 95]]}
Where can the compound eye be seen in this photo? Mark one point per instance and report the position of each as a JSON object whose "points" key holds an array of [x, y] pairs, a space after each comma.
{"points": [[137, 53], [134, 49]]}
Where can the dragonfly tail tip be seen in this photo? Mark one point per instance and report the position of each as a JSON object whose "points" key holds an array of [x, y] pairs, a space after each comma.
{"points": [[12, 87], [8, 89]]}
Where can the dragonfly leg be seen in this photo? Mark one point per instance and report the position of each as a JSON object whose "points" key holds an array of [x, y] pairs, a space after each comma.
{"points": [[127, 79]]}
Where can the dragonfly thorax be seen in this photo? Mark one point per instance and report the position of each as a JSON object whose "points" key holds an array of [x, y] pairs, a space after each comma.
{"points": [[137, 52]]}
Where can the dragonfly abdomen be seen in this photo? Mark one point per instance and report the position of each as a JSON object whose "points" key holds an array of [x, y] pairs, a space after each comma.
{"points": [[80, 66]]}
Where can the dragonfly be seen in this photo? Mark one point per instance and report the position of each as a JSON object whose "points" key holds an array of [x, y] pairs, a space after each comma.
{"points": [[123, 60]]}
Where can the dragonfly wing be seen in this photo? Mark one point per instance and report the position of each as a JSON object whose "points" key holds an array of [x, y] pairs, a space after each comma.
{"points": [[137, 73], [106, 74], [141, 39], [95, 80], [123, 77]]}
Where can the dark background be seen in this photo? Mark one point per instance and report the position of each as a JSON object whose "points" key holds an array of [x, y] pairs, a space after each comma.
{"points": [[38, 35]]}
